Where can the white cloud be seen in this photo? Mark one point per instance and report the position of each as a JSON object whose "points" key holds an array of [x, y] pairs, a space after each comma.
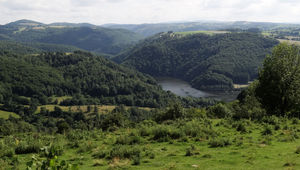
{"points": [[145, 11]]}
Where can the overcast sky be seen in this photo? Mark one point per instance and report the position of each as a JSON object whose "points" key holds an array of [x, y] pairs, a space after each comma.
{"points": [[149, 11]]}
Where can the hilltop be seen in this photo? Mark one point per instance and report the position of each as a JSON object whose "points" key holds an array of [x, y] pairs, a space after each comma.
{"points": [[84, 36]]}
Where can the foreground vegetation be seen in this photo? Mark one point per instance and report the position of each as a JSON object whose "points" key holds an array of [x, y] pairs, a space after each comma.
{"points": [[260, 129], [175, 138]]}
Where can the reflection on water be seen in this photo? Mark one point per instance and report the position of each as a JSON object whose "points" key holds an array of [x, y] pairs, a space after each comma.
{"points": [[180, 88], [184, 89]]}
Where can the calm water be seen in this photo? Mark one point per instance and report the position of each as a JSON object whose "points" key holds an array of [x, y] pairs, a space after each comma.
{"points": [[184, 89]]}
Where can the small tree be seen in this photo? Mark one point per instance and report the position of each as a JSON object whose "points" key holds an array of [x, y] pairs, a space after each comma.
{"points": [[279, 81]]}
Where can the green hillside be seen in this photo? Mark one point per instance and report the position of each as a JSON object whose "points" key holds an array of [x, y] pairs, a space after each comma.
{"points": [[90, 38], [210, 62], [34, 48], [89, 79]]}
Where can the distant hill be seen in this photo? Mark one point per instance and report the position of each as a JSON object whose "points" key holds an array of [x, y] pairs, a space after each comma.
{"points": [[151, 29], [210, 62], [85, 36], [34, 48]]}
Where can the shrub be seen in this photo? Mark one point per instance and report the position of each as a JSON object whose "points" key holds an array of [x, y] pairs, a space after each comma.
{"points": [[144, 131], [163, 133], [123, 152], [87, 146], [25, 148], [128, 140], [219, 142], [295, 121], [175, 111], [191, 151], [7, 152], [219, 111], [136, 160], [267, 130], [272, 120], [241, 127]]}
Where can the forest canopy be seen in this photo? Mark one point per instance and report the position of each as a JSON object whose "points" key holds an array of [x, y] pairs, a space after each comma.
{"points": [[209, 62]]}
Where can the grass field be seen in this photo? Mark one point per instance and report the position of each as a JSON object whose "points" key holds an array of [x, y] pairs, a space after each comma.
{"points": [[5, 114], [290, 41], [84, 108], [245, 150], [201, 32]]}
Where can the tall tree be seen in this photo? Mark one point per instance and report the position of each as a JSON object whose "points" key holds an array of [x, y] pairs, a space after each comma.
{"points": [[279, 81]]}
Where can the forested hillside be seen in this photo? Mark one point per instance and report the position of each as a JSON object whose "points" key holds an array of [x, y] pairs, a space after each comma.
{"points": [[210, 62], [87, 37], [34, 48], [87, 79], [90, 79]]}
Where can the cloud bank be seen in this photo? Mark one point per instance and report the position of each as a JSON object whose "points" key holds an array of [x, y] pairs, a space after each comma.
{"points": [[145, 11]]}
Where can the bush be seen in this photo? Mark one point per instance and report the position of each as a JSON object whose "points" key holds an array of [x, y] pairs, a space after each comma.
{"points": [[86, 146], [163, 133], [123, 152], [219, 142], [219, 111], [272, 120], [7, 152], [240, 126], [191, 151], [175, 111], [25, 148], [136, 160], [128, 140], [267, 130]]}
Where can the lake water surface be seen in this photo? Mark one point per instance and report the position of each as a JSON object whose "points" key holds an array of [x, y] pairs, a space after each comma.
{"points": [[184, 89]]}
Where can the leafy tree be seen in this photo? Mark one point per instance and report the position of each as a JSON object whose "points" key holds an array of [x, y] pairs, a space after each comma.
{"points": [[279, 81]]}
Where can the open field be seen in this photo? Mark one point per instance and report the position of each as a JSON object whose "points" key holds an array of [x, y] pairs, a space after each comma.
{"points": [[5, 114], [84, 108], [201, 32], [218, 144], [290, 41]]}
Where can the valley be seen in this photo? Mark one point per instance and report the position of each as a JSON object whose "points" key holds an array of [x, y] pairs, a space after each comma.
{"points": [[200, 95]]}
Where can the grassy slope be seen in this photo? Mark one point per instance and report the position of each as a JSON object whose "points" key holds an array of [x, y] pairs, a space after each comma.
{"points": [[101, 108], [5, 114], [253, 153], [201, 32]]}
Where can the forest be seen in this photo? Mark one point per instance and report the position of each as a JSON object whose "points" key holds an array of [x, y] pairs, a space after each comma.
{"points": [[208, 62]]}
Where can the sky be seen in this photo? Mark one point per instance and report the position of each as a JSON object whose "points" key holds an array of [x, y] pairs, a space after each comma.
{"points": [[149, 11]]}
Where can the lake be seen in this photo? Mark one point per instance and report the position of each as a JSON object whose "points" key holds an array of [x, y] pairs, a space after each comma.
{"points": [[184, 89]]}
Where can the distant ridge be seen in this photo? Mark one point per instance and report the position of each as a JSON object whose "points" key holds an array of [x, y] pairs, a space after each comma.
{"points": [[97, 39]]}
